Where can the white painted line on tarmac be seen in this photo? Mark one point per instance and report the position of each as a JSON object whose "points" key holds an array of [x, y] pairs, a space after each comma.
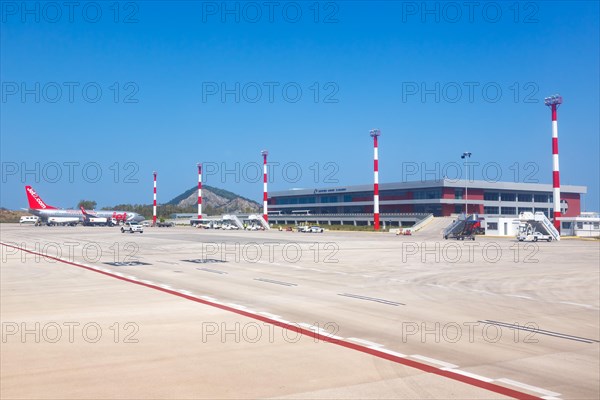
{"points": [[239, 307], [433, 361], [269, 315], [579, 305], [393, 353], [366, 342], [469, 374], [484, 292], [528, 387], [320, 331], [519, 296], [148, 282], [435, 285]]}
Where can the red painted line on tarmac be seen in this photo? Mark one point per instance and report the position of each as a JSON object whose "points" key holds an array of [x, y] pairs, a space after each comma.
{"points": [[306, 332]]}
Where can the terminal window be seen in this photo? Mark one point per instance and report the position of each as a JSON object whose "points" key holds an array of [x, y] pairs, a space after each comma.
{"points": [[528, 197], [508, 211], [490, 210], [508, 196], [491, 196]]}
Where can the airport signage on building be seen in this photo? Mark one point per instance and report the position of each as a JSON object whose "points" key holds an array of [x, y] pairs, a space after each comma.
{"points": [[336, 190]]}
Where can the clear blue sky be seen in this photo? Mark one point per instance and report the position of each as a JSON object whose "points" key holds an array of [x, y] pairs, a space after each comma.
{"points": [[428, 78]]}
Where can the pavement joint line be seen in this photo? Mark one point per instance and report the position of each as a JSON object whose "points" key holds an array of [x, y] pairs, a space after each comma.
{"points": [[290, 326], [540, 331], [215, 271], [275, 282], [375, 299], [528, 387]]}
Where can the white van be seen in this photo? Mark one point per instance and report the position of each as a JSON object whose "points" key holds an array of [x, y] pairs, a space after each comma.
{"points": [[29, 219]]}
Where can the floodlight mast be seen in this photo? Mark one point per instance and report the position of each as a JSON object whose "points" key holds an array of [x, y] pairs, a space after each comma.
{"points": [[554, 102]]}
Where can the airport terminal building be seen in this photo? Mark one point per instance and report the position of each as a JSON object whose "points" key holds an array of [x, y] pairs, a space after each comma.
{"points": [[438, 197]]}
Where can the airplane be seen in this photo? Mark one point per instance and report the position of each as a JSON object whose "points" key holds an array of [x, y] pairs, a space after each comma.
{"points": [[38, 207]]}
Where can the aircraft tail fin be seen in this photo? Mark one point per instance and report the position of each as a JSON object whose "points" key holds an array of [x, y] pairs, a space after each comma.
{"points": [[35, 201]]}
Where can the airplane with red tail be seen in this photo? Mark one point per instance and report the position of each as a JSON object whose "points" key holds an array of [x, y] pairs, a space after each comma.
{"points": [[38, 207]]}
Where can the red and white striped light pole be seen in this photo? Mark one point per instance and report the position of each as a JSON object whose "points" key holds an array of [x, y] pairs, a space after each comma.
{"points": [[553, 102], [265, 153], [199, 191], [375, 134], [154, 203]]}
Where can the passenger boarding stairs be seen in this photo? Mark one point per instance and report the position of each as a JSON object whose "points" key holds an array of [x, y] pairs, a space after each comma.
{"points": [[260, 219], [540, 223], [235, 220], [456, 227]]}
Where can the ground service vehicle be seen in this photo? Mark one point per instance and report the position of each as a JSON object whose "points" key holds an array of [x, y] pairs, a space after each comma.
{"points": [[527, 233], [132, 227], [29, 219]]}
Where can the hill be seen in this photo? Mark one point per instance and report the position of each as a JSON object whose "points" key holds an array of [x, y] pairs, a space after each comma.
{"points": [[10, 215], [214, 201], [218, 200]]}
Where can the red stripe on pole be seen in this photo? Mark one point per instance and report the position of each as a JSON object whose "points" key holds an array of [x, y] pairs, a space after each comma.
{"points": [[554, 145], [556, 179], [376, 188], [199, 200], [376, 165], [553, 112]]}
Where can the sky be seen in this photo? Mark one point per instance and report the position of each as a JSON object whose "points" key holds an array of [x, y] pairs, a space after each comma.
{"points": [[96, 96]]}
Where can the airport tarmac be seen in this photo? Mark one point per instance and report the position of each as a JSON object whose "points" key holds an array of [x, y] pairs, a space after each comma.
{"points": [[89, 312]]}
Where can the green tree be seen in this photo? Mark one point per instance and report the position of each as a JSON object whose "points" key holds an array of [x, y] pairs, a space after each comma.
{"points": [[87, 204]]}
